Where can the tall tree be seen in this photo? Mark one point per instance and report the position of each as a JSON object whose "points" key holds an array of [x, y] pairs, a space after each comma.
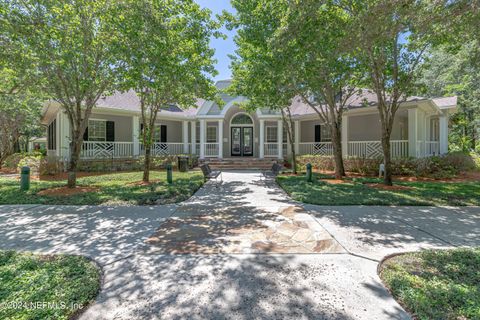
{"points": [[19, 119], [17, 68], [258, 73], [390, 39], [165, 57], [71, 44], [312, 39], [457, 72]]}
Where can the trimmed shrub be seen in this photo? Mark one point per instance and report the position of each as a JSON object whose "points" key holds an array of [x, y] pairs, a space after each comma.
{"points": [[35, 160], [131, 164], [437, 167]]}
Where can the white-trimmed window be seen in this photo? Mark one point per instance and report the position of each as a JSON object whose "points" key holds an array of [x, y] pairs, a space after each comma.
{"points": [[211, 134], [157, 134], [322, 133], [326, 133], [97, 130], [271, 134]]}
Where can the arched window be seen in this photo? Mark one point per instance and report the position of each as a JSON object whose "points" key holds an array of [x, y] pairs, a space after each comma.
{"points": [[242, 119]]}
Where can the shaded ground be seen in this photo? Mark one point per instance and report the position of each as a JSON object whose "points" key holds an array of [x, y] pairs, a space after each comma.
{"points": [[469, 176], [436, 284], [377, 231], [107, 189], [238, 231], [65, 191], [370, 191], [66, 284], [144, 282]]}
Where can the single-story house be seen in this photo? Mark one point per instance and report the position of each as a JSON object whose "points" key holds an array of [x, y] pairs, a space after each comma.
{"points": [[37, 144], [211, 131]]}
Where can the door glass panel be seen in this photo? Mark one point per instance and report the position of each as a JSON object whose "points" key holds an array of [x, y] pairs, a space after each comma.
{"points": [[247, 141], [236, 141]]}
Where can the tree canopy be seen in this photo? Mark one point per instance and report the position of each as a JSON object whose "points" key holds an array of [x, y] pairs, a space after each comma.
{"points": [[165, 57]]}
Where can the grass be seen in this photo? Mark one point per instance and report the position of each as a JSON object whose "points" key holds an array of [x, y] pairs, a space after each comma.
{"points": [[355, 192], [113, 189], [436, 284], [45, 286]]}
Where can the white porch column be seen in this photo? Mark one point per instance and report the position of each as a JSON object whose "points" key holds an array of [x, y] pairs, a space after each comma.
{"points": [[220, 139], [185, 136], [280, 138], [202, 138], [428, 136], [289, 145], [297, 137], [193, 136], [136, 136], [64, 137], [344, 136], [262, 139], [443, 133], [412, 132]]}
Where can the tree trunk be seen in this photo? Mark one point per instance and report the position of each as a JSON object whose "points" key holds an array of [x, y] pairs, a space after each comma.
{"points": [[146, 166], [294, 159], [337, 152], [387, 161], [76, 148]]}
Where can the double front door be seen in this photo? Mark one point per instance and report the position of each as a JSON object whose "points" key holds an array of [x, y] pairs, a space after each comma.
{"points": [[242, 141]]}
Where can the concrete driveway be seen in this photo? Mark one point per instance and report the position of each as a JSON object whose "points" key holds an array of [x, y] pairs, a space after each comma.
{"points": [[142, 280]]}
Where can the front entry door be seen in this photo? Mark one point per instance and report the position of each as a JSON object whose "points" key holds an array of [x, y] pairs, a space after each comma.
{"points": [[242, 141]]}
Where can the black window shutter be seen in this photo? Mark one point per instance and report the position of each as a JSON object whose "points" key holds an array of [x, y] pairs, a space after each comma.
{"points": [[163, 134], [85, 134], [110, 131], [317, 133]]}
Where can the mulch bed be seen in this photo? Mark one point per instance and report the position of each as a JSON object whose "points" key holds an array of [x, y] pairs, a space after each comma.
{"points": [[66, 191], [64, 176], [8, 171], [336, 181], [471, 176]]}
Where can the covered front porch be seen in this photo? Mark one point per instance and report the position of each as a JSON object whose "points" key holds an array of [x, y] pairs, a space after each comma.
{"points": [[416, 133]]}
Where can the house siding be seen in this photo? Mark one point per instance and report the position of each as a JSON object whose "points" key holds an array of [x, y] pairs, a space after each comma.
{"points": [[174, 130], [368, 128], [123, 126]]}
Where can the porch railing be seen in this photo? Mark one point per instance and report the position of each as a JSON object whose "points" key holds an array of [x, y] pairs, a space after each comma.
{"points": [[211, 149], [399, 148], [373, 149], [432, 148], [271, 149], [101, 149], [316, 148], [164, 148]]}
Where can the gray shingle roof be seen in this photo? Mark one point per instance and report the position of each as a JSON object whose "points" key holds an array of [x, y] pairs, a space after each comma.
{"points": [[366, 98], [130, 101], [445, 103]]}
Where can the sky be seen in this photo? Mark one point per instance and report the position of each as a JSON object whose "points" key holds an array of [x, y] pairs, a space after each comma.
{"points": [[222, 47]]}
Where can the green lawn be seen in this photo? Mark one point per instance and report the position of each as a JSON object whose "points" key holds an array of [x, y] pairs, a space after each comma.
{"points": [[436, 284], [45, 286], [355, 192], [113, 189]]}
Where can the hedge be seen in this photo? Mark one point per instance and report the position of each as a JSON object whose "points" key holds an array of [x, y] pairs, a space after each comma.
{"points": [[435, 167]]}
